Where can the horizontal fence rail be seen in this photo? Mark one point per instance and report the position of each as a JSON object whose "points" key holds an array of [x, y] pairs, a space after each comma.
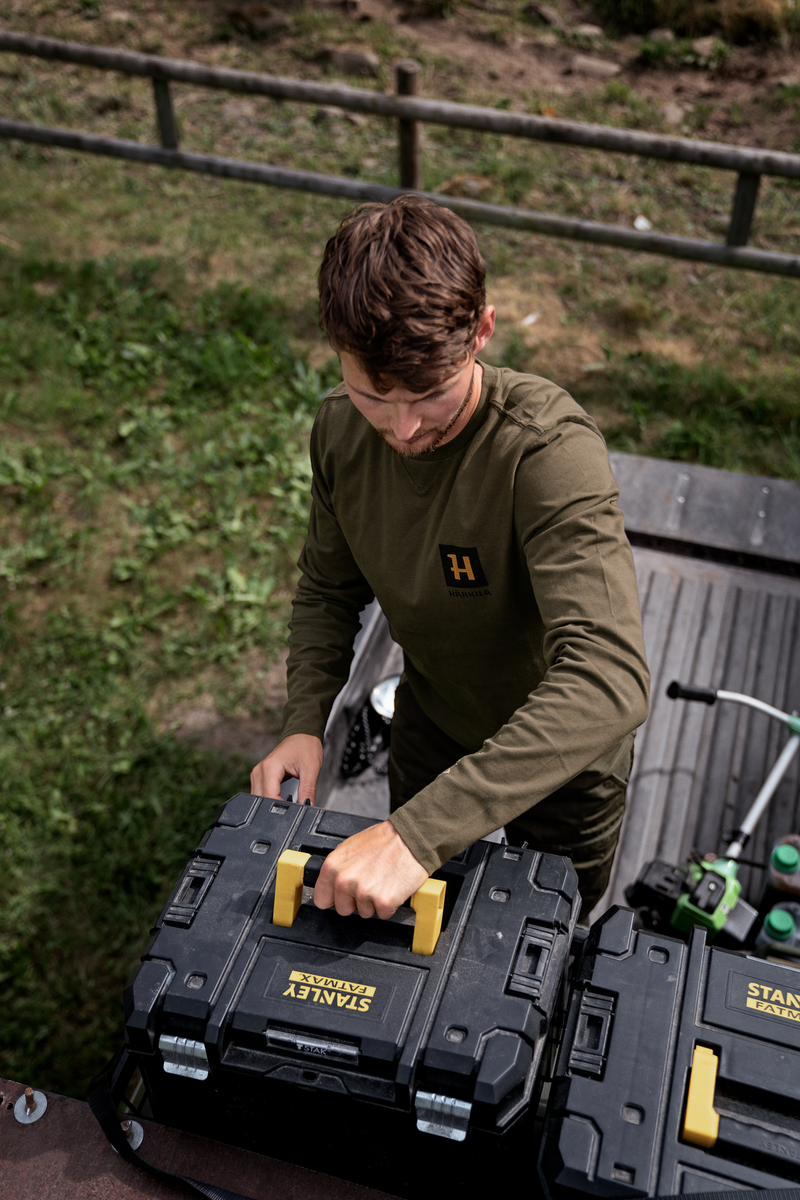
{"points": [[353, 189], [437, 112], [409, 110]]}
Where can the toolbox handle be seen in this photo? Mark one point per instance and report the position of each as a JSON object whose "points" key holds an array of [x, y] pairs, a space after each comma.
{"points": [[701, 1122], [295, 869]]}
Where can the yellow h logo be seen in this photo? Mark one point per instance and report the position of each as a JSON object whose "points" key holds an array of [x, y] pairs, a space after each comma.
{"points": [[459, 571], [462, 567]]}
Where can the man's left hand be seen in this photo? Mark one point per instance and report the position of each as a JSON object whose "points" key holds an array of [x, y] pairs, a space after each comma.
{"points": [[373, 872]]}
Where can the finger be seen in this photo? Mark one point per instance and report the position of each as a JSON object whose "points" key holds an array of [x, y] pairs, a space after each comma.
{"points": [[344, 894], [365, 905], [266, 778], [324, 887], [342, 886], [307, 789], [344, 901]]}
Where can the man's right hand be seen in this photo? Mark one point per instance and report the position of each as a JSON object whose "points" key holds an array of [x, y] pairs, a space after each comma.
{"points": [[298, 756]]}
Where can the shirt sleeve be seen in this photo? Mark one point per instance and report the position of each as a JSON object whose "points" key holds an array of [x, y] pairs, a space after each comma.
{"points": [[595, 687], [331, 594]]}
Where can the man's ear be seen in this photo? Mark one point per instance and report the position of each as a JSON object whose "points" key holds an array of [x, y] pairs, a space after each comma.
{"points": [[485, 327]]}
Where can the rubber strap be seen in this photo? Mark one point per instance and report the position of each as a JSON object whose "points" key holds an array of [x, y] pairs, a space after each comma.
{"points": [[101, 1102]]}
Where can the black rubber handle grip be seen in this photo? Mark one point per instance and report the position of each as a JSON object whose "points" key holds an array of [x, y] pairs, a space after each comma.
{"points": [[312, 869], [681, 691]]}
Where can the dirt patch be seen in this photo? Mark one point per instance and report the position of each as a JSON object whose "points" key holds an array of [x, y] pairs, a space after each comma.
{"points": [[191, 711], [534, 321], [472, 50], [223, 268], [536, 314], [247, 738], [681, 350]]}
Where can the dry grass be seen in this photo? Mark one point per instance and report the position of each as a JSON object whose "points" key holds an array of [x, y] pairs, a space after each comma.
{"points": [[755, 20]]}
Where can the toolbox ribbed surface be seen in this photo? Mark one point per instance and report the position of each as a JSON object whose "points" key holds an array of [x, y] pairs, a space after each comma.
{"points": [[647, 1015], [252, 1033]]}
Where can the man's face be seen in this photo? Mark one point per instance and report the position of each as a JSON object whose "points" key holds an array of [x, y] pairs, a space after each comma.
{"points": [[412, 424]]}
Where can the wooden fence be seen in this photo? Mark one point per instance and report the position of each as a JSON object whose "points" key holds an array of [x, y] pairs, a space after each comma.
{"points": [[411, 111]]}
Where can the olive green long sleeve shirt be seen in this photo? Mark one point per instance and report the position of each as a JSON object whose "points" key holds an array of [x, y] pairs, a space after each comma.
{"points": [[502, 565]]}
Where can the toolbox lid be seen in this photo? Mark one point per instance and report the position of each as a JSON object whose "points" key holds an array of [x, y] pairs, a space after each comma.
{"points": [[351, 1000]]}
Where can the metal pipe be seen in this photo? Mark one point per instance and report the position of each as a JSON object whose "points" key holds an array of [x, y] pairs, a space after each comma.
{"points": [[763, 798], [351, 189], [751, 702], [464, 116]]}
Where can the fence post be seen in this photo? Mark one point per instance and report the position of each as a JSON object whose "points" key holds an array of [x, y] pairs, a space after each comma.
{"points": [[408, 132], [165, 114], [744, 205]]}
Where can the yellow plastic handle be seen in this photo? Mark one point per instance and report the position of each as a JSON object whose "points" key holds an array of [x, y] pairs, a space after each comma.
{"points": [[427, 902], [701, 1123], [289, 887]]}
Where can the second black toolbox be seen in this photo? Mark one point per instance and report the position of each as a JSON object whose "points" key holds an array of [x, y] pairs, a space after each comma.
{"points": [[329, 1041], [679, 1070]]}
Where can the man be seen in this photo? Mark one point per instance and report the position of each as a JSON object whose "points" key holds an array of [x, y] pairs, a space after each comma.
{"points": [[478, 505]]}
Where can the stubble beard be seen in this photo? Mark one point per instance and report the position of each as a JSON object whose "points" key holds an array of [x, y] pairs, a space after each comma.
{"points": [[438, 435]]}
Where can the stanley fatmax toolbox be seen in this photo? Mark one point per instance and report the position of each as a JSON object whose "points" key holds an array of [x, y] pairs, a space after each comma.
{"points": [[329, 1040], [679, 1071]]}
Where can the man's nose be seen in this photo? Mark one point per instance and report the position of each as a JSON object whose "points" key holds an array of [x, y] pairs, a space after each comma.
{"points": [[406, 422]]}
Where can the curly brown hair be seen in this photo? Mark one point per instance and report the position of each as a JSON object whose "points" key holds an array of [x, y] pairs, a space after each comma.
{"points": [[402, 288]]}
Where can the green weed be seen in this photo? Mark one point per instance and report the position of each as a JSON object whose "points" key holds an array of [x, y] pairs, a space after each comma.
{"points": [[682, 53]]}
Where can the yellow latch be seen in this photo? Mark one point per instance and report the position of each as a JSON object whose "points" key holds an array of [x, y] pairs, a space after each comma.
{"points": [[289, 887], [701, 1123], [427, 902]]}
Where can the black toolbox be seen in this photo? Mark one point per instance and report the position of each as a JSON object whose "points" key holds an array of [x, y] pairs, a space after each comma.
{"points": [[330, 1042], [679, 1071]]}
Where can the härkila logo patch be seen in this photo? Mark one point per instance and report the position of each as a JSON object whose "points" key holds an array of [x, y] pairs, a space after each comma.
{"points": [[462, 567]]}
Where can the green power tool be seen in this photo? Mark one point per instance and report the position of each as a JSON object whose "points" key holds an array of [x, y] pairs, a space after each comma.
{"points": [[707, 891]]}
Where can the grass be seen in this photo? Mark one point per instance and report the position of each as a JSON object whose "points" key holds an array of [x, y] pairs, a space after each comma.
{"points": [[699, 414], [153, 486], [683, 53], [160, 364]]}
